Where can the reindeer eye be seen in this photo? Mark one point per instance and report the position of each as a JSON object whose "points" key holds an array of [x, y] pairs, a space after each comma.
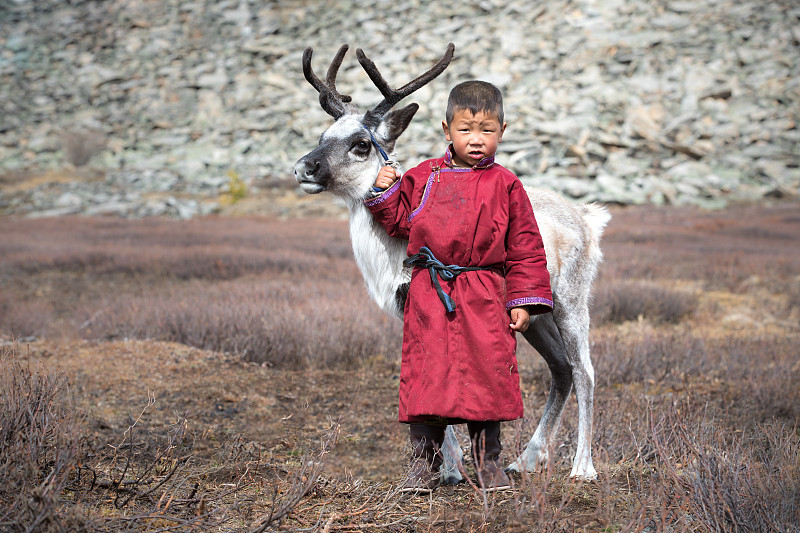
{"points": [[361, 148]]}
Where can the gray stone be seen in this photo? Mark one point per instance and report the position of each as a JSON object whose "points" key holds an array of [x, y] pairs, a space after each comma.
{"points": [[612, 185], [661, 192], [614, 90], [576, 188], [689, 169], [54, 212], [620, 165], [69, 200], [113, 208]]}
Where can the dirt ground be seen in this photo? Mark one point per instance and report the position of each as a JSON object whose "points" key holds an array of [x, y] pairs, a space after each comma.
{"points": [[225, 396]]}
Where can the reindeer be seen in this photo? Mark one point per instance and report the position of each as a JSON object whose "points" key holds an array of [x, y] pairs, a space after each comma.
{"points": [[346, 162]]}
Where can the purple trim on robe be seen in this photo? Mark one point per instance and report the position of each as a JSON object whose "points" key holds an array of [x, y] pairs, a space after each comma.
{"points": [[384, 195], [425, 195], [489, 161], [448, 156], [486, 162], [456, 169], [529, 301]]}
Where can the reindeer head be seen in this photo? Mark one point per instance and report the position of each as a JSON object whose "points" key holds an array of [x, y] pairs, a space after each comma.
{"points": [[347, 159]]}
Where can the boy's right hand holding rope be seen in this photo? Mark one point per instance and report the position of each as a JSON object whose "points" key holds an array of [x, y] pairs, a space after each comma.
{"points": [[386, 177]]}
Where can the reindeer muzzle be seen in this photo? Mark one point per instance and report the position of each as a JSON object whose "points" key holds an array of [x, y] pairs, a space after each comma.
{"points": [[310, 172]]}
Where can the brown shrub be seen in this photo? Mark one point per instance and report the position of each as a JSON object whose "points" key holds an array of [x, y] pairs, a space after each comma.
{"points": [[39, 447], [651, 358], [54, 474], [792, 292], [23, 318], [274, 322], [286, 294], [206, 248], [753, 378], [617, 302], [707, 478], [722, 249]]}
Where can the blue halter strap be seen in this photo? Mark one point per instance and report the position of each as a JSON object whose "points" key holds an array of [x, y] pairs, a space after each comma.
{"points": [[378, 146], [383, 153]]}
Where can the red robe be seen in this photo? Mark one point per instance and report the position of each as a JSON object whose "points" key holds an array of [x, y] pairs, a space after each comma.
{"points": [[462, 365]]}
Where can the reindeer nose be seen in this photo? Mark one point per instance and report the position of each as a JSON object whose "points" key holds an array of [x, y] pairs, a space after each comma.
{"points": [[306, 168]]}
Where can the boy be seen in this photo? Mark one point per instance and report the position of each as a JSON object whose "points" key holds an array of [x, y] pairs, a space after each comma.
{"points": [[459, 351]]}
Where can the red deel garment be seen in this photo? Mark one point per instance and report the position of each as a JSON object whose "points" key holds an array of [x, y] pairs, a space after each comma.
{"points": [[463, 364]]}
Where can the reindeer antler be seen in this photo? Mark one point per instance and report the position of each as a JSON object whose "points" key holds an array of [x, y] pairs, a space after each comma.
{"points": [[392, 96], [331, 101]]}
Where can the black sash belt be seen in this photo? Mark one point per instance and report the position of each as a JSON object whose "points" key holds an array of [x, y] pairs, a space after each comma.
{"points": [[437, 269]]}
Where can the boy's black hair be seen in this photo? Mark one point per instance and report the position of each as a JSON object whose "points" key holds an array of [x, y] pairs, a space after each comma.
{"points": [[476, 96]]}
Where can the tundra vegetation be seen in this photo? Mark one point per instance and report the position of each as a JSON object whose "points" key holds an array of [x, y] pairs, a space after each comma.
{"points": [[232, 374]]}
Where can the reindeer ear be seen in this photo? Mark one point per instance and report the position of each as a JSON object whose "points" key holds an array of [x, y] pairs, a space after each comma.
{"points": [[397, 121]]}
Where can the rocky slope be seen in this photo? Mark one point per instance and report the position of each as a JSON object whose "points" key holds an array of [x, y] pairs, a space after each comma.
{"points": [[164, 107]]}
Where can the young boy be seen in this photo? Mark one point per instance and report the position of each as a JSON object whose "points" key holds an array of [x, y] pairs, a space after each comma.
{"points": [[459, 350]]}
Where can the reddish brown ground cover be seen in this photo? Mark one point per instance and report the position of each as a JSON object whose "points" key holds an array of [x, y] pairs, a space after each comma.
{"points": [[231, 374]]}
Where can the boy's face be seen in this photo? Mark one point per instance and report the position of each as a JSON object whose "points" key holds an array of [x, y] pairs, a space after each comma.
{"points": [[474, 137]]}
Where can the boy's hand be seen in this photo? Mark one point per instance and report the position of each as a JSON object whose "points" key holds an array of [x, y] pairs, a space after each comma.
{"points": [[386, 177], [520, 319]]}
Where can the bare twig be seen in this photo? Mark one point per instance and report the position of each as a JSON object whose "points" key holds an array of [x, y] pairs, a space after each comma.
{"points": [[303, 481]]}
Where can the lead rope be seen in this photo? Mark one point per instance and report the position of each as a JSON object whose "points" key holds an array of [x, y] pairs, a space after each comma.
{"points": [[378, 146], [386, 160]]}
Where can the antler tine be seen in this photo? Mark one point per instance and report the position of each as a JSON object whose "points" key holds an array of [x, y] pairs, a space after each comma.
{"points": [[330, 99], [374, 74], [392, 96], [333, 70]]}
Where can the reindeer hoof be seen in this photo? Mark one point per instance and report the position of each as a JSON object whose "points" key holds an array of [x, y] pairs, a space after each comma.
{"points": [[452, 477], [530, 461], [515, 468], [588, 474]]}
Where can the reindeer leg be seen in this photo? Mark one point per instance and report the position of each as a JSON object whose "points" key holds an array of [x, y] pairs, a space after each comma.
{"points": [[544, 336], [575, 332], [574, 328], [450, 471]]}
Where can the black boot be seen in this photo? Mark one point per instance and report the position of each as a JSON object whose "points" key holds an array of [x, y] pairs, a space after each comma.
{"points": [[486, 448], [426, 458]]}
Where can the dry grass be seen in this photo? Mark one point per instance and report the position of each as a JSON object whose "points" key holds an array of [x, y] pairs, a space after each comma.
{"points": [[623, 301], [274, 322], [696, 407], [668, 463], [729, 250], [39, 446], [285, 294]]}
